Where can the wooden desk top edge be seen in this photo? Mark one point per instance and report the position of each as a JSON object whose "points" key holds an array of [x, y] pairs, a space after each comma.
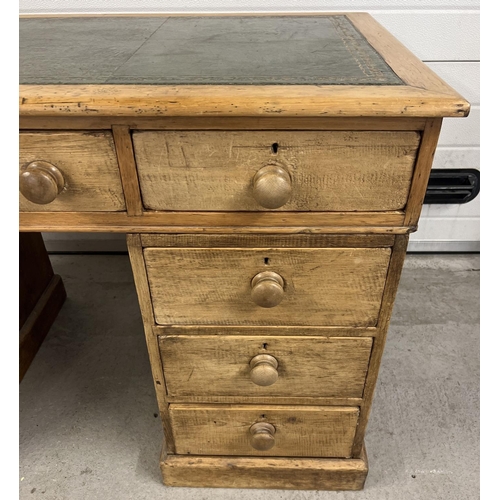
{"points": [[423, 95]]}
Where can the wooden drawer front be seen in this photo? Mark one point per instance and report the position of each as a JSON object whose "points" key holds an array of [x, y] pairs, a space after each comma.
{"points": [[329, 171], [308, 367], [89, 168], [300, 431], [322, 286]]}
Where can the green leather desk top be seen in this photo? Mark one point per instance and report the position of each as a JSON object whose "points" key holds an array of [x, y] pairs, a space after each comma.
{"points": [[276, 50]]}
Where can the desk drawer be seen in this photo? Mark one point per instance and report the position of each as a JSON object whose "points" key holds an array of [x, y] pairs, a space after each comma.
{"points": [[290, 171], [288, 431], [83, 177], [262, 286], [203, 365]]}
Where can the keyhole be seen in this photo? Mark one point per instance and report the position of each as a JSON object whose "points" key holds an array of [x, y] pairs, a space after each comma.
{"points": [[266, 261], [274, 147]]}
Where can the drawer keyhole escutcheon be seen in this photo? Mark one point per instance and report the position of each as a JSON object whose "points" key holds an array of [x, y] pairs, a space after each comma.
{"points": [[267, 289], [262, 436], [272, 186], [40, 182], [264, 370]]}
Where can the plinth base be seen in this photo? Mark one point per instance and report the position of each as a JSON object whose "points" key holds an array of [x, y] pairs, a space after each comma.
{"points": [[264, 472]]}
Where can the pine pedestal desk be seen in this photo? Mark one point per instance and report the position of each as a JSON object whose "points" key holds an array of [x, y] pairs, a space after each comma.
{"points": [[267, 171]]}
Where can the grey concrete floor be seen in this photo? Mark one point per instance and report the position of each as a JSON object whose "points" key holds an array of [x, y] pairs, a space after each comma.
{"points": [[89, 427]]}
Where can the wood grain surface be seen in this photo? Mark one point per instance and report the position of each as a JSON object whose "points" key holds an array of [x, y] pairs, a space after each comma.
{"points": [[221, 123], [310, 431], [138, 55], [41, 296], [270, 400], [128, 170], [35, 272], [38, 323], [264, 472], [217, 222], [420, 180], [330, 171], [87, 161], [238, 100], [266, 240], [390, 290], [294, 331], [307, 366], [142, 288], [347, 133], [323, 286]]}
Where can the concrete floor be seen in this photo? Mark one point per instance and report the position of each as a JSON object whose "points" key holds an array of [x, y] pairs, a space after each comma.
{"points": [[88, 418]]}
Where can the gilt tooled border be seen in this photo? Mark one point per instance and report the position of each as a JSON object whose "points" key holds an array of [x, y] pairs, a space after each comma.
{"points": [[351, 39]]}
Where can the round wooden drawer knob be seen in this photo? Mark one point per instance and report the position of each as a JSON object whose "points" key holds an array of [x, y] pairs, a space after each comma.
{"points": [[262, 436], [40, 182], [263, 370], [272, 186], [267, 289]]}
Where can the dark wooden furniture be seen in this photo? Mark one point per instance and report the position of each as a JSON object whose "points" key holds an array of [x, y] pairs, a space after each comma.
{"points": [[41, 296]]}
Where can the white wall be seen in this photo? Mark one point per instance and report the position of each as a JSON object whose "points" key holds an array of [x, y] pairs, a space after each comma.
{"points": [[443, 33], [113, 6]]}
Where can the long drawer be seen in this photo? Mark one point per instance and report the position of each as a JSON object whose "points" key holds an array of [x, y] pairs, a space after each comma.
{"points": [[69, 172], [267, 286], [227, 365], [290, 171], [262, 430]]}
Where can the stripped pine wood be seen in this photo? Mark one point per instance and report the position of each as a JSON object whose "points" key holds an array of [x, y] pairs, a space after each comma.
{"points": [[307, 366], [330, 171], [87, 161], [391, 286], [270, 400], [329, 286], [254, 241], [311, 431], [128, 171], [237, 100], [221, 123], [262, 472], [141, 285], [217, 222], [422, 171], [267, 219], [323, 331]]}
